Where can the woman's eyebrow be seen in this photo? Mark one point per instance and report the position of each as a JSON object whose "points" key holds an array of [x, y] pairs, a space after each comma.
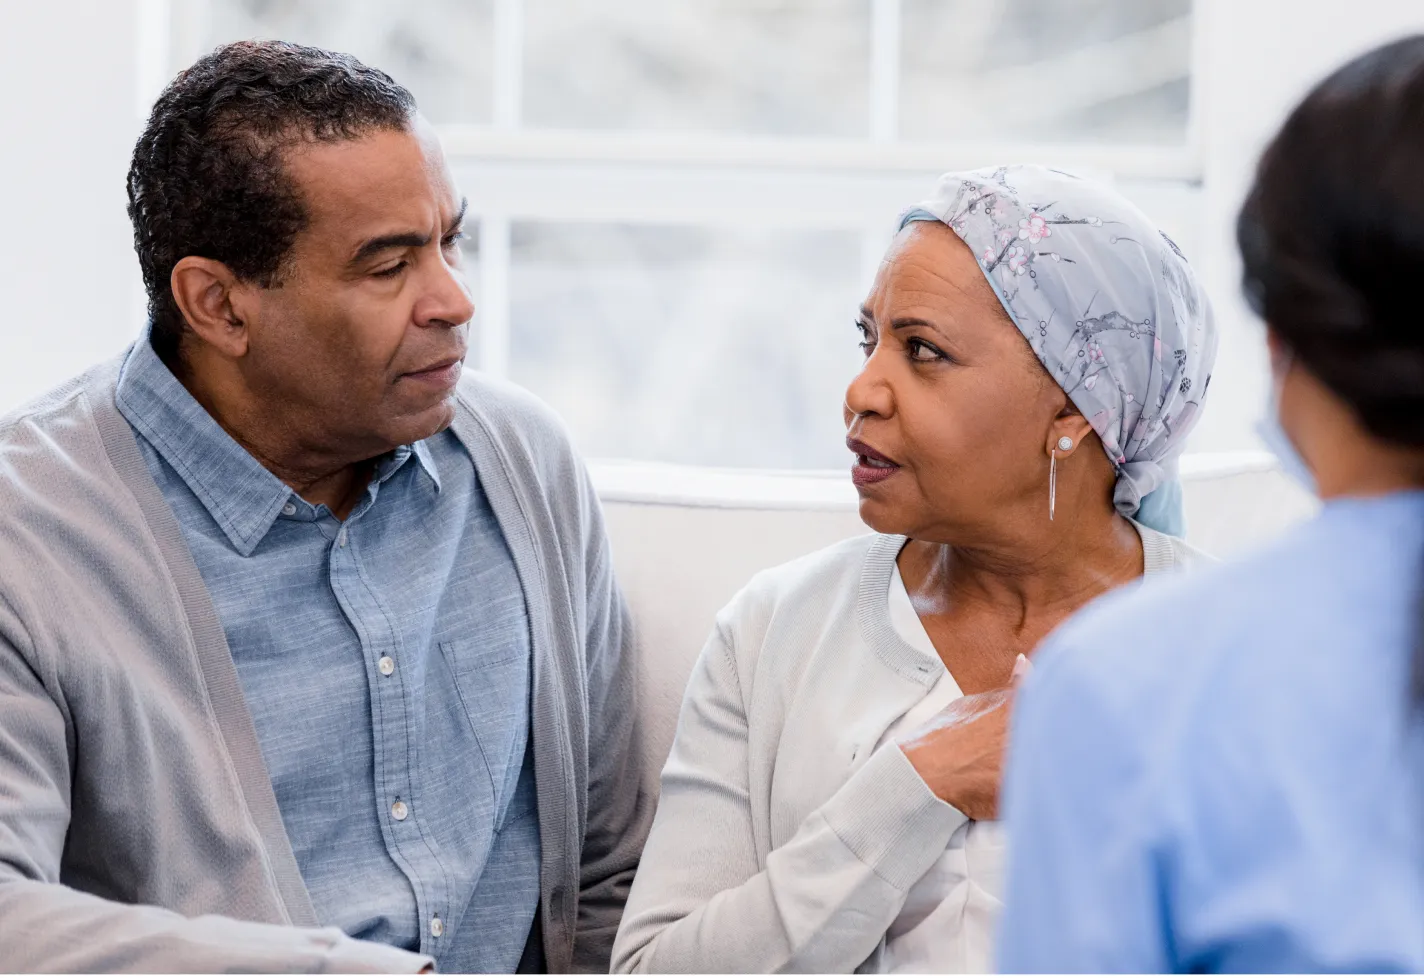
{"points": [[907, 321]]}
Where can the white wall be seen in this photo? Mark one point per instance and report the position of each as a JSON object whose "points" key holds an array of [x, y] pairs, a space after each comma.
{"points": [[72, 71], [68, 276]]}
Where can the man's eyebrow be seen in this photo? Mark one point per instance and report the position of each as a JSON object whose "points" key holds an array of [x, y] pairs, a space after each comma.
{"points": [[459, 217], [404, 239]]}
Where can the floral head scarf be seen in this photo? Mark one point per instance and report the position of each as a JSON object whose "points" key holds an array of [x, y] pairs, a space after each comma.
{"points": [[1109, 305]]}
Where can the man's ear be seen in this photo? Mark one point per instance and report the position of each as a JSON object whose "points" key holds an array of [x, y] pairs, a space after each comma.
{"points": [[205, 291], [1068, 425]]}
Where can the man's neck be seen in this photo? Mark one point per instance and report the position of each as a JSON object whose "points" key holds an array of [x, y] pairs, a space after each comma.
{"points": [[320, 476]]}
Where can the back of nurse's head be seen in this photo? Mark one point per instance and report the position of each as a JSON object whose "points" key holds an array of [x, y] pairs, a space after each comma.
{"points": [[1332, 243], [1332, 239]]}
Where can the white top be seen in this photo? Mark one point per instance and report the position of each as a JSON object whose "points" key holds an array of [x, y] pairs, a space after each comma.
{"points": [[790, 834], [947, 921]]}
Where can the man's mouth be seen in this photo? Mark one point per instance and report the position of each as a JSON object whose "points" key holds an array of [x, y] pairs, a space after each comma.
{"points": [[443, 373]]}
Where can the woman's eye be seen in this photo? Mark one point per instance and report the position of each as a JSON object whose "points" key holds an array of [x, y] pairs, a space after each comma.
{"points": [[867, 341], [454, 239], [922, 351]]}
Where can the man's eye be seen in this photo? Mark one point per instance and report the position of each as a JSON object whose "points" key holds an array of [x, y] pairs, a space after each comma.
{"points": [[454, 239], [391, 272]]}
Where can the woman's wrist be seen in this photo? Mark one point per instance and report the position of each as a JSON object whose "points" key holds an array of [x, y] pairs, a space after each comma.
{"points": [[928, 763]]}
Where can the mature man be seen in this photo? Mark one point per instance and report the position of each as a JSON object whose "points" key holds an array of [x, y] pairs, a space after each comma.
{"points": [[311, 656]]}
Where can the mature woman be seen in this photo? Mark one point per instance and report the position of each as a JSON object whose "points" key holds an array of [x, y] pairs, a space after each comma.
{"points": [[1036, 352], [1246, 793]]}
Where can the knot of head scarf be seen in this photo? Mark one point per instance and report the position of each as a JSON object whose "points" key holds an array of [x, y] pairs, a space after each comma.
{"points": [[1109, 305]]}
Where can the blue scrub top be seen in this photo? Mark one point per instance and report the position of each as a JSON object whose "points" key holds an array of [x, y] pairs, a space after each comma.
{"points": [[1223, 771]]}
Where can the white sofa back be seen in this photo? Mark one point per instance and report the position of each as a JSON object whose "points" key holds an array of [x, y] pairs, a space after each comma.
{"points": [[685, 540]]}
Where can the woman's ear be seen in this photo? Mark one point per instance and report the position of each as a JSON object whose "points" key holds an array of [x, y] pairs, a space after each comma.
{"points": [[204, 291], [1069, 430]]}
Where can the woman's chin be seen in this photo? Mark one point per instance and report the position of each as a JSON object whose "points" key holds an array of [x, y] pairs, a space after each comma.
{"points": [[880, 512]]}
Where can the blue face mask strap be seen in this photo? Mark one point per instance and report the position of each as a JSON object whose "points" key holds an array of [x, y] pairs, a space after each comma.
{"points": [[1269, 430]]}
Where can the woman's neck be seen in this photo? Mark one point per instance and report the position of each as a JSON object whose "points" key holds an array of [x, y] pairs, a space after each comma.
{"points": [[1024, 574]]}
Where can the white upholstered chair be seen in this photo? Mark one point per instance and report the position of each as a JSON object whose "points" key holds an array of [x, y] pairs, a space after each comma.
{"points": [[685, 540]]}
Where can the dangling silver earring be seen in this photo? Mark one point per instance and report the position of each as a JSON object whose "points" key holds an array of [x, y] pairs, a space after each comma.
{"points": [[1064, 444]]}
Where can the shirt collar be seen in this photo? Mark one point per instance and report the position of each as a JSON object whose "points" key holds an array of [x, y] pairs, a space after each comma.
{"points": [[241, 495], [426, 460]]}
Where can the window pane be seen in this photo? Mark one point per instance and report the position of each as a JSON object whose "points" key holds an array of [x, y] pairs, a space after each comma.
{"points": [[759, 66], [1100, 70], [691, 345], [439, 49]]}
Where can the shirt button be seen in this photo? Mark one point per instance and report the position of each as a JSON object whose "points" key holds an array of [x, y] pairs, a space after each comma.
{"points": [[437, 927], [290, 509], [399, 811], [341, 538], [387, 665]]}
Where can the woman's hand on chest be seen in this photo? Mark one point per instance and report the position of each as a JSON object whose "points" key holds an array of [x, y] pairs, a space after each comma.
{"points": [[960, 752]]}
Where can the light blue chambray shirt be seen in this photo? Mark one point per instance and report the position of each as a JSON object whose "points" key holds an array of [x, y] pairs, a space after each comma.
{"points": [[1224, 772], [386, 664]]}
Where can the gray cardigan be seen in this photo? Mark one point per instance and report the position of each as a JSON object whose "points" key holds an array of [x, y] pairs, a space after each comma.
{"points": [[138, 828]]}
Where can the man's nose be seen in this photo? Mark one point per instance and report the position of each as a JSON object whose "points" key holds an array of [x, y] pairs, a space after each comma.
{"points": [[447, 301]]}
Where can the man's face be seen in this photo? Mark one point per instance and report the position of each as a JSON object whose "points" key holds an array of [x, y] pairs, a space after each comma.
{"points": [[363, 340]]}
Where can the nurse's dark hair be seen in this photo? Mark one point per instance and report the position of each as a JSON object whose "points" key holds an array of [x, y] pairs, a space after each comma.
{"points": [[1332, 244]]}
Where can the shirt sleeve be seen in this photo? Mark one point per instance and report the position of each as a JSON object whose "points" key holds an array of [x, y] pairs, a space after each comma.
{"points": [[1084, 890]]}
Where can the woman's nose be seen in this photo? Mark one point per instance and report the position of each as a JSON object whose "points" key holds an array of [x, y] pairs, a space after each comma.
{"points": [[868, 393]]}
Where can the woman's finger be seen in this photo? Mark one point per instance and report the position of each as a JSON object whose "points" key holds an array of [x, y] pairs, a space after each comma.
{"points": [[1022, 667]]}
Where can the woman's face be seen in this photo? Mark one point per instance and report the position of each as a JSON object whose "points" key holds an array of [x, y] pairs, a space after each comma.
{"points": [[951, 415]]}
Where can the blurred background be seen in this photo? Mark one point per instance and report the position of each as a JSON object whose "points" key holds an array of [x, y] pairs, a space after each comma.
{"points": [[678, 204]]}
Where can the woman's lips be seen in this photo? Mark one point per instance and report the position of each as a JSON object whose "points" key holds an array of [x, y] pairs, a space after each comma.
{"points": [[870, 466], [867, 472]]}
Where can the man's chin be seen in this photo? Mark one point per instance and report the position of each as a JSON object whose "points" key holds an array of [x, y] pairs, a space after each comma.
{"points": [[424, 423], [438, 418]]}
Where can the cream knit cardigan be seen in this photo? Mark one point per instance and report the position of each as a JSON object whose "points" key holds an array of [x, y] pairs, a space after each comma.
{"points": [[783, 841]]}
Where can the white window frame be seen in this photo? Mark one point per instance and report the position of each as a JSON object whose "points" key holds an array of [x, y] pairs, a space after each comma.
{"points": [[511, 173]]}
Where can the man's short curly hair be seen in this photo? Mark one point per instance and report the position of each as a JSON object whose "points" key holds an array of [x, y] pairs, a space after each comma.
{"points": [[207, 177]]}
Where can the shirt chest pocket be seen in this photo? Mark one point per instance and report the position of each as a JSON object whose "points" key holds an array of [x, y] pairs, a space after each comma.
{"points": [[492, 687]]}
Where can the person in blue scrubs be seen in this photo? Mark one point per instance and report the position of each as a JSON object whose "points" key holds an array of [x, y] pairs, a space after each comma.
{"points": [[1225, 771]]}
